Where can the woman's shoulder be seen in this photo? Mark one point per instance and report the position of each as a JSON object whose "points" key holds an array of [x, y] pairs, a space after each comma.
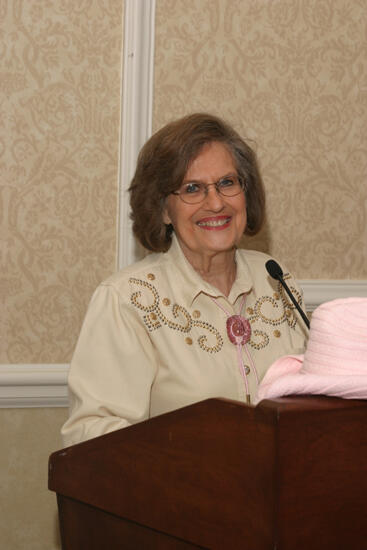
{"points": [[150, 261], [254, 258], [142, 269], [256, 262]]}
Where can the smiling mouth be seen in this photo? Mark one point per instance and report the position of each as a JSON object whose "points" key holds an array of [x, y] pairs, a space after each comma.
{"points": [[214, 223]]}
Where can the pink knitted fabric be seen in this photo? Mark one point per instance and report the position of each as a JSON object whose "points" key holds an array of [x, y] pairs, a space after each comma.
{"points": [[335, 362]]}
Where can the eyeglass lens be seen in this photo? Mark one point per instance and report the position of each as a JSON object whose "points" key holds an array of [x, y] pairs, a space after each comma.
{"points": [[193, 192]]}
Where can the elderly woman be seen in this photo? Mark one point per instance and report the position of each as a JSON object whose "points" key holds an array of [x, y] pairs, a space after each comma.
{"points": [[198, 317]]}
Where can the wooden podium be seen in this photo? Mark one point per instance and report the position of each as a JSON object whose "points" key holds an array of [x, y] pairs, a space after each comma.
{"points": [[288, 474]]}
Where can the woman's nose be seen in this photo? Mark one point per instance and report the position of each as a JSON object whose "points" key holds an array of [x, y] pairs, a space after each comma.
{"points": [[213, 199]]}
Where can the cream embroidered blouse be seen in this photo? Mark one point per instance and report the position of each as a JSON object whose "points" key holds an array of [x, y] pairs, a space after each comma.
{"points": [[154, 340]]}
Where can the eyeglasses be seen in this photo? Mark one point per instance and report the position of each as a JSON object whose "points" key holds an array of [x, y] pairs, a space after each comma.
{"points": [[194, 192]]}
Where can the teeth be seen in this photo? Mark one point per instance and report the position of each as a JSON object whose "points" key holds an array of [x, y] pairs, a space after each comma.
{"points": [[214, 223]]}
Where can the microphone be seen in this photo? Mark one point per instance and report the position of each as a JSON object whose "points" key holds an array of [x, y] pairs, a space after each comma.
{"points": [[276, 272]]}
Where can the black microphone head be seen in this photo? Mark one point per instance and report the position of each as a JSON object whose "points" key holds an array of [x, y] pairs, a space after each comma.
{"points": [[274, 269]]}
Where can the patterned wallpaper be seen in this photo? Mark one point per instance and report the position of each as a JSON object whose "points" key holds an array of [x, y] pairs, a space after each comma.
{"points": [[60, 80], [291, 75]]}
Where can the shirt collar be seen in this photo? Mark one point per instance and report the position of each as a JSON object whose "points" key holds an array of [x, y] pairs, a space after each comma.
{"points": [[192, 285]]}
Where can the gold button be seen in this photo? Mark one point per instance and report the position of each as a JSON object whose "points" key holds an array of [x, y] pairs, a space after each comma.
{"points": [[151, 276], [166, 301], [288, 312], [153, 316], [276, 296], [250, 311], [196, 314], [188, 341], [277, 333]]}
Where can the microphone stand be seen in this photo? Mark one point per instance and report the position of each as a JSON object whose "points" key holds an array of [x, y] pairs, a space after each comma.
{"points": [[275, 271], [299, 309]]}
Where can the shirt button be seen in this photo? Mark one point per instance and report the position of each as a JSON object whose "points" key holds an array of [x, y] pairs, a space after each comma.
{"points": [[247, 369], [188, 341], [277, 333], [166, 301], [196, 314], [151, 276]]}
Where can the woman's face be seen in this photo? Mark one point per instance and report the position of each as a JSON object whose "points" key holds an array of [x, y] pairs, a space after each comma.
{"points": [[216, 224]]}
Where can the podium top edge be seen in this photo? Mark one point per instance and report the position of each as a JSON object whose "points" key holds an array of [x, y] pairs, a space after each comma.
{"points": [[309, 403]]}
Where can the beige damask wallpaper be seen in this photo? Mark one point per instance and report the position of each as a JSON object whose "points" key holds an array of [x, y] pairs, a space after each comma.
{"points": [[60, 81], [291, 75]]}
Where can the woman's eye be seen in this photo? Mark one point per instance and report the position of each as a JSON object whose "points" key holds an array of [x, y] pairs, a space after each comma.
{"points": [[226, 182], [190, 188]]}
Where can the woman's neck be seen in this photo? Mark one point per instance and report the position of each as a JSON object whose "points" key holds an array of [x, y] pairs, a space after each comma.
{"points": [[219, 269]]}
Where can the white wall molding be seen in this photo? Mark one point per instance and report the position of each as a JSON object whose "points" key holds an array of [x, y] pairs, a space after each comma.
{"points": [[317, 291], [46, 385], [33, 386], [136, 112]]}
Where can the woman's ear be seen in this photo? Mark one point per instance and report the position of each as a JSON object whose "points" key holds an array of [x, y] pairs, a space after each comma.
{"points": [[165, 215]]}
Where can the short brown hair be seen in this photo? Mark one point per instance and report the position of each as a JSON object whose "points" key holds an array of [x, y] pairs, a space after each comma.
{"points": [[163, 163]]}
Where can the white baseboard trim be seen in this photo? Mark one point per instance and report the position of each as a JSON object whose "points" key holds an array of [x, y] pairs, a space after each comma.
{"points": [[23, 386]]}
